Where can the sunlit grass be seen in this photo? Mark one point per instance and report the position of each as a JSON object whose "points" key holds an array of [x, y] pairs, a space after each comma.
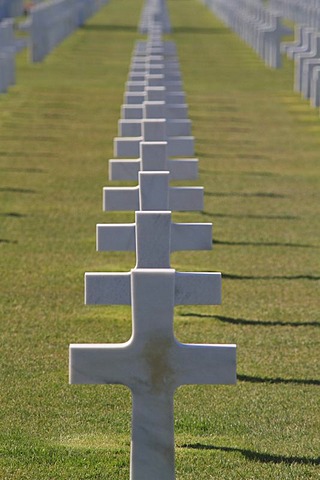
{"points": [[258, 147]]}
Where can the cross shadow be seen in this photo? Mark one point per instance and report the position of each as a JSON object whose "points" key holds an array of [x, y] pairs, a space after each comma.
{"points": [[13, 214], [256, 217], [202, 30], [257, 456], [277, 380], [262, 244], [230, 276], [4, 240], [22, 170], [244, 194], [254, 323], [17, 190], [111, 28]]}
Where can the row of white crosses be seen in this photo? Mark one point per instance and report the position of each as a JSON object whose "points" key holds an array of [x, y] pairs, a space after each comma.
{"points": [[305, 52], [7, 55], [53, 21], [11, 8], [153, 363], [303, 12], [154, 11], [255, 24]]}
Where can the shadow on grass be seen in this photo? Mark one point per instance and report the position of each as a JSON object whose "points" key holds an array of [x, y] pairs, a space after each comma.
{"points": [[13, 215], [262, 244], [16, 190], [244, 174], [202, 30], [256, 217], [257, 456], [110, 28], [4, 240], [22, 170], [244, 194], [277, 380], [255, 323], [230, 276]]}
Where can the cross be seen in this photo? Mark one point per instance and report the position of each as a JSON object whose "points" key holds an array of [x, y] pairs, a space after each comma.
{"points": [[154, 130], [175, 127], [153, 364], [176, 108], [170, 72], [154, 227], [153, 157], [155, 45], [142, 67], [153, 193]]}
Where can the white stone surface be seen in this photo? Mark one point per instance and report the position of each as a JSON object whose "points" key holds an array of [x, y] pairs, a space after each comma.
{"points": [[144, 47], [53, 21], [154, 110], [302, 58], [153, 130], [153, 157], [173, 111], [153, 364], [315, 88], [171, 74], [107, 288], [307, 71], [260, 27], [7, 55], [151, 228], [153, 193]]}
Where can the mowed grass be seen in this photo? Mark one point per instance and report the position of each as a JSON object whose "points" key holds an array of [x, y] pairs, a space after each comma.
{"points": [[258, 145]]}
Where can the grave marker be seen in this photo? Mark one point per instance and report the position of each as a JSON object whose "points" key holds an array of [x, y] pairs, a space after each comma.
{"points": [[153, 157], [153, 193]]}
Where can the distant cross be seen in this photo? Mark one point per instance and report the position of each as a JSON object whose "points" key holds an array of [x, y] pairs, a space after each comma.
{"points": [[156, 109], [155, 226], [153, 193], [153, 364], [153, 130], [153, 157]]}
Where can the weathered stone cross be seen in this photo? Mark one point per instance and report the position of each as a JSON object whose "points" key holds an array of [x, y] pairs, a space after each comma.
{"points": [[155, 226], [153, 363], [153, 193], [153, 157], [153, 130]]}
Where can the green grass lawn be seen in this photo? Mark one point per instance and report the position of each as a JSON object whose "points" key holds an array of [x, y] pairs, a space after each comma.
{"points": [[258, 145]]}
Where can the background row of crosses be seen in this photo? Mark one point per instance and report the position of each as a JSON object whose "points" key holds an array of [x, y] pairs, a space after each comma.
{"points": [[153, 363]]}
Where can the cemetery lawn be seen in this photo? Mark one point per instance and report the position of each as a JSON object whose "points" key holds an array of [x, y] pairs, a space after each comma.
{"points": [[258, 145]]}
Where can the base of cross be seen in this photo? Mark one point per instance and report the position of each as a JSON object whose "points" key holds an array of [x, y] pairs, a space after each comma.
{"points": [[153, 364]]}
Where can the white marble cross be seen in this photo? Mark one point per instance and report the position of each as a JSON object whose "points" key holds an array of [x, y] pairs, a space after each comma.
{"points": [[156, 46], [153, 157], [161, 236], [153, 193], [153, 363], [151, 110], [140, 75], [175, 109], [153, 130]]}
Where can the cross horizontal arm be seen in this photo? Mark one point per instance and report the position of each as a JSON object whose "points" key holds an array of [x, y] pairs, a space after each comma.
{"points": [[191, 236], [197, 288], [184, 236], [115, 237], [205, 364], [125, 147], [127, 198], [101, 364], [107, 288], [128, 169]]}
